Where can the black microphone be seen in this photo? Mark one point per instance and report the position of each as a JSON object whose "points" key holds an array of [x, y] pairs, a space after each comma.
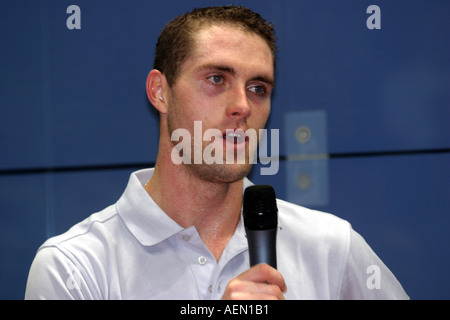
{"points": [[260, 221]]}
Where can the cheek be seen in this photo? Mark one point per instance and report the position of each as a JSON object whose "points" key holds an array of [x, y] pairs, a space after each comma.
{"points": [[195, 106], [262, 116], [179, 109]]}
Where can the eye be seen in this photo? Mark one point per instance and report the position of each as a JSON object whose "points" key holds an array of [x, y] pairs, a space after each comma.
{"points": [[258, 89], [216, 79]]}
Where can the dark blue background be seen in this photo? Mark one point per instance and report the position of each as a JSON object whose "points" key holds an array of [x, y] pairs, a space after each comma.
{"points": [[75, 121]]}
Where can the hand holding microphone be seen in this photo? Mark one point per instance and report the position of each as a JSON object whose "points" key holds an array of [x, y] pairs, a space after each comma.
{"points": [[260, 282]]}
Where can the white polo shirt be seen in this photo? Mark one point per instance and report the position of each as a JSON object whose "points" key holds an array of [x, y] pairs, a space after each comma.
{"points": [[133, 250]]}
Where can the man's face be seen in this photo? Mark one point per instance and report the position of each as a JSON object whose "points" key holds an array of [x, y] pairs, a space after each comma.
{"points": [[226, 83]]}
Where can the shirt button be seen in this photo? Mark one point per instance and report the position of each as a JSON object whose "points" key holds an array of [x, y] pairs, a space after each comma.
{"points": [[210, 288], [201, 260], [185, 237]]}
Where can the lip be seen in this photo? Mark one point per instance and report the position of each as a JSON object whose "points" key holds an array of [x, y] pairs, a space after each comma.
{"points": [[238, 135], [234, 139]]}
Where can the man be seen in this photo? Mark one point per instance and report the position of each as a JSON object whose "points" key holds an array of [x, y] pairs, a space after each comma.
{"points": [[177, 231]]}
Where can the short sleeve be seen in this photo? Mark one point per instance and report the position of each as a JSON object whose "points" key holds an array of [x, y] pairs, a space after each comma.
{"points": [[366, 276], [53, 276]]}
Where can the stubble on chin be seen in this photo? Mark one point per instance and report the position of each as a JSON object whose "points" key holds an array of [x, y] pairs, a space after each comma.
{"points": [[220, 173]]}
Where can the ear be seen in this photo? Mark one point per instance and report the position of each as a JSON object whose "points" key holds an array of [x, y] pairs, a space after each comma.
{"points": [[155, 86]]}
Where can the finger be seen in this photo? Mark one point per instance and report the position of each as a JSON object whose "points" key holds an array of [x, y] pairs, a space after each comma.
{"points": [[263, 273], [268, 291], [248, 290], [253, 296]]}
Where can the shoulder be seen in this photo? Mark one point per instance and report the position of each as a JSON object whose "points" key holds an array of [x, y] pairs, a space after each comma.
{"points": [[66, 266], [98, 226], [312, 223], [314, 235], [87, 244], [318, 244]]}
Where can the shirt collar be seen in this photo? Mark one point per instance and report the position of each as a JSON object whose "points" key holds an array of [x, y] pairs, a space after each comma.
{"points": [[144, 218]]}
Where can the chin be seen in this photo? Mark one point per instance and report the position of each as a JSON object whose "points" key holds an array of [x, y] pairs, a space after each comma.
{"points": [[221, 173]]}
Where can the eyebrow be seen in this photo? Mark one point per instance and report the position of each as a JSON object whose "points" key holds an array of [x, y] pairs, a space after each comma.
{"points": [[232, 71]]}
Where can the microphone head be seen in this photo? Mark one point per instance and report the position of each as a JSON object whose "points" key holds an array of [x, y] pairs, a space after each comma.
{"points": [[260, 208]]}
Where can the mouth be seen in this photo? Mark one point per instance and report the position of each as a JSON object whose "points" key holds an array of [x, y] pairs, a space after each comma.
{"points": [[235, 136]]}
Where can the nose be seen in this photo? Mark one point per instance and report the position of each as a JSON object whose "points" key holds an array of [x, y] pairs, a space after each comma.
{"points": [[238, 106]]}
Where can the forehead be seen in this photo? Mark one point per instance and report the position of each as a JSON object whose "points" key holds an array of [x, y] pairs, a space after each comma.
{"points": [[231, 44]]}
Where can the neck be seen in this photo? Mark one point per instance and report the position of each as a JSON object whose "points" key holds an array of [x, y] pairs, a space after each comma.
{"points": [[212, 207]]}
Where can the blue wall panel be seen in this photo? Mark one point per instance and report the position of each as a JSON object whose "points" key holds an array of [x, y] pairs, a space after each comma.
{"points": [[24, 202], [382, 89], [376, 103], [89, 192], [23, 113]]}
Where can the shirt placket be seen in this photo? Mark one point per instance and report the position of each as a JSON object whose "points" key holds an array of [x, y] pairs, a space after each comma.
{"points": [[233, 262], [199, 259]]}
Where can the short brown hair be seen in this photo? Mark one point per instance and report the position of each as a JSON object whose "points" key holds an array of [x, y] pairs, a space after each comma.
{"points": [[175, 42]]}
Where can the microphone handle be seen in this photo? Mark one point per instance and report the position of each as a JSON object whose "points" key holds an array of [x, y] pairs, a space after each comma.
{"points": [[261, 246]]}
